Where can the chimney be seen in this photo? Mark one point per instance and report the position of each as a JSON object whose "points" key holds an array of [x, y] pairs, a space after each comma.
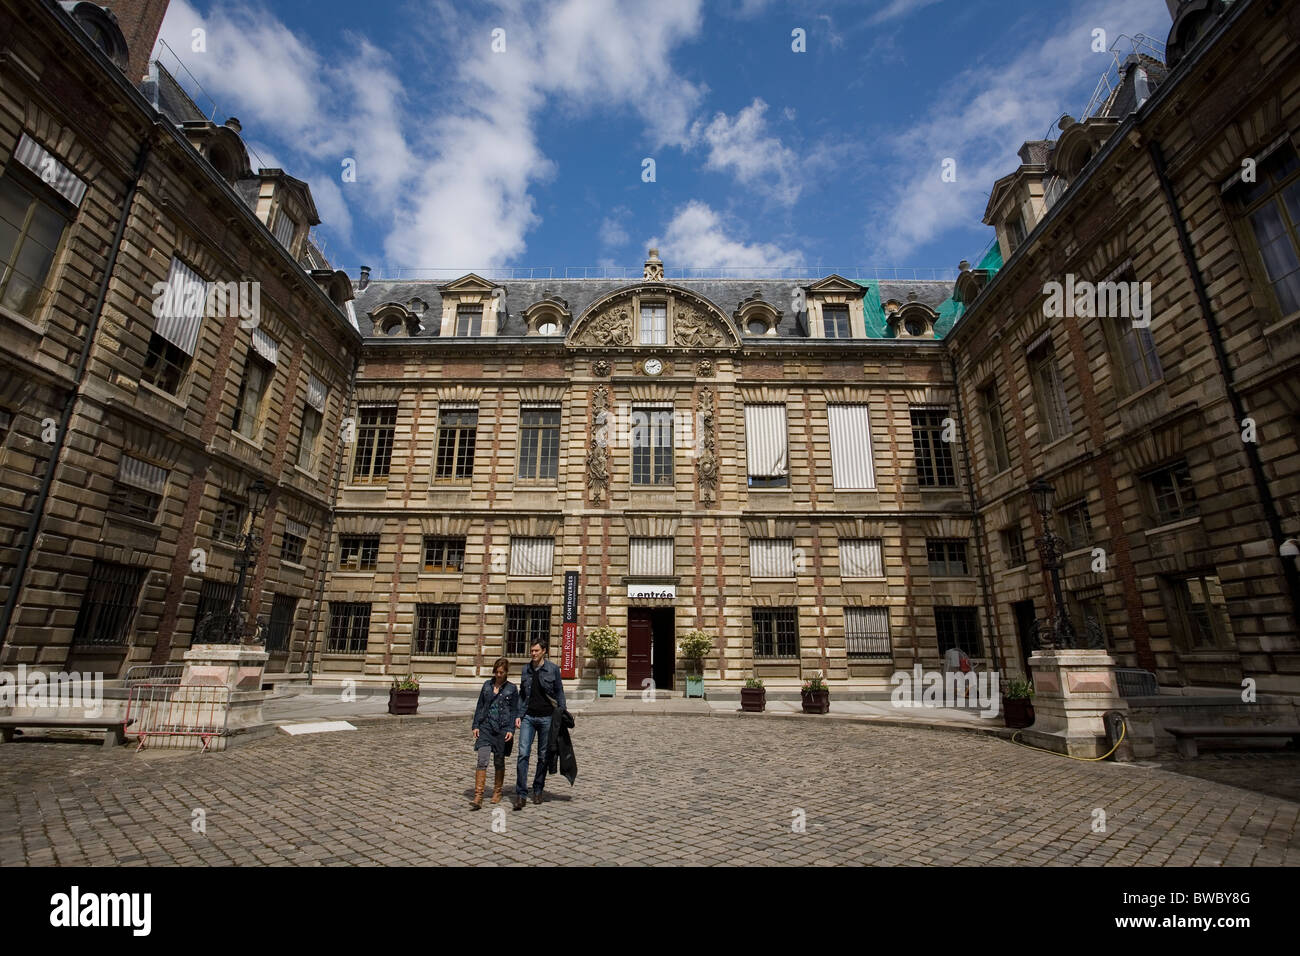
{"points": [[141, 21], [365, 278], [233, 123], [654, 267]]}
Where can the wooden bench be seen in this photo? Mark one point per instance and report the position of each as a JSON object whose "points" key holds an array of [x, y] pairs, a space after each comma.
{"points": [[114, 728], [1186, 736]]}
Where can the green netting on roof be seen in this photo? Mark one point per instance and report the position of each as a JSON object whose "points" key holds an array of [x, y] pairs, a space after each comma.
{"points": [[992, 260], [949, 312], [873, 313]]}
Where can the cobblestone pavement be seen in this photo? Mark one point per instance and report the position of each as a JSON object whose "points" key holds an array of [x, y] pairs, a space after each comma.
{"points": [[656, 790]]}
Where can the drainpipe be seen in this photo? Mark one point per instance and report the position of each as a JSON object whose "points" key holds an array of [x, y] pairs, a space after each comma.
{"points": [[74, 394], [1289, 571], [327, 551]]}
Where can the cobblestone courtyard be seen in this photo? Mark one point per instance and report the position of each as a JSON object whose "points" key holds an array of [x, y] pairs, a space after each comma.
{"points": [[660, 790]]}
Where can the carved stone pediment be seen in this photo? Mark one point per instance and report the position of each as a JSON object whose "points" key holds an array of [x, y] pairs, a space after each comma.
{"points": [[694, 322], [611, 327]]}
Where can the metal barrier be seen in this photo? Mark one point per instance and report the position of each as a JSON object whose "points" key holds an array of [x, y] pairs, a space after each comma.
{"points": [[1136, 682], [154, 674], [174, 711]]}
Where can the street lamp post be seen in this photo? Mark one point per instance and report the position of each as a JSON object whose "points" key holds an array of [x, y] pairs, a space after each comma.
{"points": [[258, 493], [1051, 547]]}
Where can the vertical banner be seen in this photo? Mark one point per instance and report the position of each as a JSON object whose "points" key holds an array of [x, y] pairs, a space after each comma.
{"points": [[569, 651]]}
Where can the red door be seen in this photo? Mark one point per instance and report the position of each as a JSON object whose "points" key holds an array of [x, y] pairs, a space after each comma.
{"points": [[639, 642]]}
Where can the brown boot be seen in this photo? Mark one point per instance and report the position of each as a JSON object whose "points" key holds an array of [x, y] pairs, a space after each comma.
{"points": [[497, 784], [480, 780]]}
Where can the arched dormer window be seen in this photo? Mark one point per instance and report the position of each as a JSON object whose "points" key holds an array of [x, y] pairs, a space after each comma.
{"points": [[393, 321], [101, 26], [756, 316], [913, 321], [549, 316]]}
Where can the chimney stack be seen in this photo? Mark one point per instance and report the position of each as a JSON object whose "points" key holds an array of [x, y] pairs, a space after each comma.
{"points": [[365, 278], [141, 21]]}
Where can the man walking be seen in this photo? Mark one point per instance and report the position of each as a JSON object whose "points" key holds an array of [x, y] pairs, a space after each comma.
{"points": [[541, 695]]}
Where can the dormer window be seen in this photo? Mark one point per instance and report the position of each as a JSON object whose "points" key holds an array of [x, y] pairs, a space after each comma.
{"points": [[285, 229], [835, 321], [1015, 232], [757, 327], [654, 323], [548, 328], [469, 320], [914, 326]]}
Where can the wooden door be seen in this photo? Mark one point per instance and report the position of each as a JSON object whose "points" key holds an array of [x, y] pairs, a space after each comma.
{"points": [[639, 642]]}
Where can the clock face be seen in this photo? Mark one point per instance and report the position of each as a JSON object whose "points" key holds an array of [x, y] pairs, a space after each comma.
{"points": [[653, 366]]}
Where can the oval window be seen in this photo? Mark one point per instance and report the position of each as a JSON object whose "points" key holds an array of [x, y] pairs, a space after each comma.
{"points": [[757, 327], [547, 328], [914, 327]]}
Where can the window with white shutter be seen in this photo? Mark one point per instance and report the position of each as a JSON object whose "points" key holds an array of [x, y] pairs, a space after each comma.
{"points": [[765, 447], [771, 558], [651, 557], [851, 464], [861, 558], [531, 557]]}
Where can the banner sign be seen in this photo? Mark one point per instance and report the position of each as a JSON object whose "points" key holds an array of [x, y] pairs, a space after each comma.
{"points": [[569, 640], [652, 590]]}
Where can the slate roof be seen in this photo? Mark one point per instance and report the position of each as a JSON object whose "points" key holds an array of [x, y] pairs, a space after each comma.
{"points": [[726, 294]]}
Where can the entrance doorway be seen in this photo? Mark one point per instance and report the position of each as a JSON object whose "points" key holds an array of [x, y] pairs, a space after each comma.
{"points": [[1026, 630], [651, 648]]}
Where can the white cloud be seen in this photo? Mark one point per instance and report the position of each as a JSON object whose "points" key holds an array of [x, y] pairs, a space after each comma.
{"points": [[697, 238], [741, 146], [897, 10], [612, 233]]}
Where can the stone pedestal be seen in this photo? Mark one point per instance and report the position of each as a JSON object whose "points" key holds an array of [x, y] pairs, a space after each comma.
{"points": [[1072, 690], [238, 667]]}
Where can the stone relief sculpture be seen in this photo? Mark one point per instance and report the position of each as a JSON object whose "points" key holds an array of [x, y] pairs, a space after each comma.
{"points": [[692, 330], [706, 461], [598, 447], [608, 328]]}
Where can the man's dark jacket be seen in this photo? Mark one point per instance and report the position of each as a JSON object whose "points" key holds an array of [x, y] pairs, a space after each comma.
{"points": [[560, 748], [549, 674]]}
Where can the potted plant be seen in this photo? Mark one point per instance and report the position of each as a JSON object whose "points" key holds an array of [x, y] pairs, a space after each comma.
{"points": [[404, 696], [1018, 703], [602, 644], [694, 647], [753, 697], [816, 695]]}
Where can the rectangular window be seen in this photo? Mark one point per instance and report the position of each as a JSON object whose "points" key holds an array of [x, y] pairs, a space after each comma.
{"points": [[281, 624], [1089, 617], [958, 627], [376, 426], [285, 227], [947, 558], [1204, 611], [1139, 363], [835, 321], [771, 558], [995, 432], [539, 443], [526, 623], [866, 631], [469, 320], [1271, 206], [765, 447], [108, 605], [216, 599], [1076, 525], [1172, 495], [1013, 546], [253, 390], [934, 462], [532, 557], [654, 323], [164, 365], [437, 629], [852, 467], [139, 489], [176, 328], [311, 424], [457, 431], [650, 557], [358, 552], [349, 627], [861, 558], [444, 555], [652, 446], [229, 523], [1049, 392], [776, 632], [31, 228], [294, 541], [1016, 234]]}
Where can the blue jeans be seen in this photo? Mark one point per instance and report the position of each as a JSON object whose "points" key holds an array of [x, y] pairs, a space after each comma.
{"points": [[528, 727]]}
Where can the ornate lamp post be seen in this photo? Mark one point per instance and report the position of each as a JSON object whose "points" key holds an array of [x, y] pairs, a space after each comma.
{"points": [[1052, 547], [258, 494]]}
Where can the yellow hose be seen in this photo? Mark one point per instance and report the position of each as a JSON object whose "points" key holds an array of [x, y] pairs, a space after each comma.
{"points": [[1123, 728]]}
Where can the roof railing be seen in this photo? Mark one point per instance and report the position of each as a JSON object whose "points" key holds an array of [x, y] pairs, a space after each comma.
{"points": [[632, 274]]}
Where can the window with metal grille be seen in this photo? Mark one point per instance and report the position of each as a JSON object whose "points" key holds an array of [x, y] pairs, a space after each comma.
{"points": [[776, 632], [134, 502], [1076, 524], [934, 463], [375, 429], [526, 623], [1089, 616], [1013, 546], [31, 229], [866, 631], [539, 443], [654, 323], [437, 629], [358, 552], [469, 319], [444, 555], [108, 605], [1049, 392], [995, 432], [835, 321], [253, 389], [1172, 494], [457, 429], [229, 523], [861, 558], [958, 627], [281, 623], [349, 627], [216, 603], [311, 425], [947, 557], [292, 543], [164, 365], [652, 446], [1271, 207]]}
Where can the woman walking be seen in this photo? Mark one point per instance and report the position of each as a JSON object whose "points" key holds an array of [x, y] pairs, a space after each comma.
{"points": [[494, 726]]}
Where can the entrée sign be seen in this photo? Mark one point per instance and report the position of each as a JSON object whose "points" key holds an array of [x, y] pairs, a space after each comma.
{"points": [[652, 590]]}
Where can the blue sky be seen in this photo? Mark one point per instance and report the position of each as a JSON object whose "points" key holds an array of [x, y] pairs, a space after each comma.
{"points": [[533, 156]]}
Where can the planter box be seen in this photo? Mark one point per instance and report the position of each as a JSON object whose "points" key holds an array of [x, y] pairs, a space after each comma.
{"points": [[403, 701], [753, 699], [816, 702], [1017, 712], [605, 686], [695, 687]]}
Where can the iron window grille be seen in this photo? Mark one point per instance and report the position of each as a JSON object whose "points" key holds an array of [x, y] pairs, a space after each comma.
{"points": [[539, 443], [283, 607], [652, 446], [349, 627], [866, 632], [216, 607], [444, 555], [108, 605], [358, 552], [958, 627], [457, 431], [776, 632], [947, 558], [526, 623], [934, 461], [1172, 493], [437, 629], [375, 430], [292, 547]]}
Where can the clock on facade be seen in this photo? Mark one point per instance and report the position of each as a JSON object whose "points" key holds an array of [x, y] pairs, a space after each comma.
{"points": [[653, 366]]}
